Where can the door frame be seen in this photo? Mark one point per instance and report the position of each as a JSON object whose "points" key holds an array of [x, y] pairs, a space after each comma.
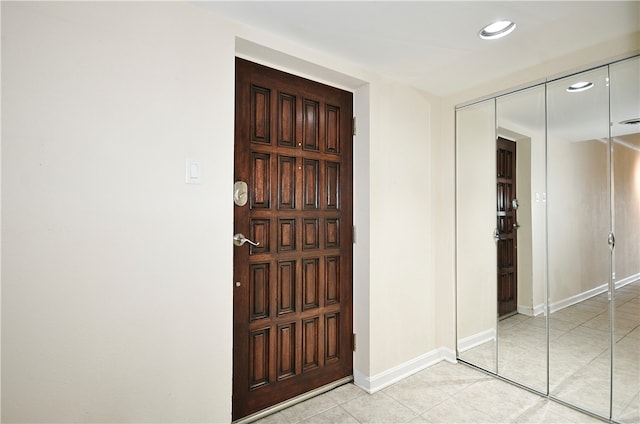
{"points": [[514, 230]]}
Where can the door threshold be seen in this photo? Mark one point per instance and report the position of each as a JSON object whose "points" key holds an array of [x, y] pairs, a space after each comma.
{"points": [[508, 315], [293, 401]]}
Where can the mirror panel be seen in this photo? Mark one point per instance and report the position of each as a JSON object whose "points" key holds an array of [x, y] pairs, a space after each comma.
{"points": [[579, 259], [521, 281], [475, 243], [625, 105]]}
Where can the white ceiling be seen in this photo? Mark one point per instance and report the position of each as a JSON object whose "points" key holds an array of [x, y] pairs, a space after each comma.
{"points": [[433, 45]]}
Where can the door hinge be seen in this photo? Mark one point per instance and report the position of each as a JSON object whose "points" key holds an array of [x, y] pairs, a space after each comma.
{"points": [[353, 234], [353, 342], [353, 126]]}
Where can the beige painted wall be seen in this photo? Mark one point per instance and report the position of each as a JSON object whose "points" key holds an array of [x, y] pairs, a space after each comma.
{"points": [[626, 163], [443, 224], [579, 255], [116, 285], [626, 168], [578, 218], [402, 291]]}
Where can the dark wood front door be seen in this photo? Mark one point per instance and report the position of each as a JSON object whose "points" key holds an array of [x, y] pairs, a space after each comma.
{"points": [[292, 303], [507, 226]]}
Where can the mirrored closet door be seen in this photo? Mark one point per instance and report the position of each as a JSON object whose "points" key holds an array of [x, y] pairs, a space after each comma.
{"points": [[625, 151], [476, 247], [520, 224], [548, 238], [579, 223]]}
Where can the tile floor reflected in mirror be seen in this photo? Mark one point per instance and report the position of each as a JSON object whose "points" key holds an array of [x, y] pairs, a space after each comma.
{"points": [[522, 350], [579, 353], [443, 393]]}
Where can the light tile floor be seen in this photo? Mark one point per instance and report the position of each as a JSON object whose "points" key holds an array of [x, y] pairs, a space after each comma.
{"points": [[443, 393], [456, 393]]}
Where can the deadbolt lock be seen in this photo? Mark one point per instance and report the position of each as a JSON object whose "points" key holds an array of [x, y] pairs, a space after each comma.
{"points": [[240, 193]]}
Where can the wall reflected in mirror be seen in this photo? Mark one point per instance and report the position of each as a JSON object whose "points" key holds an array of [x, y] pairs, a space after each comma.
{"points": [[625, 138], [475, 245], [520, 221]]}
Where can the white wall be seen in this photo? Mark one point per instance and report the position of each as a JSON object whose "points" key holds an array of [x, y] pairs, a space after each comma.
{"points": [[443, 223], [116, 275]]}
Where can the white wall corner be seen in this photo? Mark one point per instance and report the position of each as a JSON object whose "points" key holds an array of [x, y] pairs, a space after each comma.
{"points": [[448, 355], [526, 310], [538, 309], [393, 375]]}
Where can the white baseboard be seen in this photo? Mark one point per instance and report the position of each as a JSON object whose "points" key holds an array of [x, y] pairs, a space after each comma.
{"points": [[538, 309], [569, 301], [602, 288], [531, 312], [561, 304], [477, 339], [386, 378], [448, 355], [628, 280]]}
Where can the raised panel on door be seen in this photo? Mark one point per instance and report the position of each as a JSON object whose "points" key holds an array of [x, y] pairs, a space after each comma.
{"points": [[286, 354], [286, 120]]}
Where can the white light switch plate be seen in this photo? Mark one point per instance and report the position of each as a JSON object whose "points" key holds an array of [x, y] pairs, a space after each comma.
{"points": [[193, 172]]}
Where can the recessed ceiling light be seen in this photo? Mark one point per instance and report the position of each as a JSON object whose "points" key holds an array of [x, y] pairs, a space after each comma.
{"points": [[579, 86], [497, 30]]}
